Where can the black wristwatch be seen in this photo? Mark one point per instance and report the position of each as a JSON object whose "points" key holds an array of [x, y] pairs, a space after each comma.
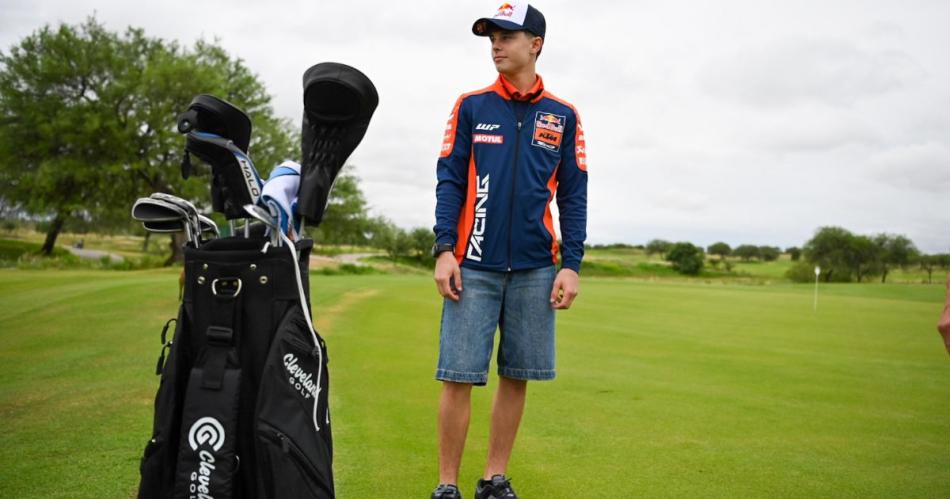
{"points": [[438, 249]]}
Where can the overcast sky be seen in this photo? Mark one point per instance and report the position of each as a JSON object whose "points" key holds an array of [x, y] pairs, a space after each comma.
{"points": [[748, 122]]}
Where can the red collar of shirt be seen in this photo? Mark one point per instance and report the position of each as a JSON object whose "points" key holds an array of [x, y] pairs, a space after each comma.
{"points": [[513, 92]]}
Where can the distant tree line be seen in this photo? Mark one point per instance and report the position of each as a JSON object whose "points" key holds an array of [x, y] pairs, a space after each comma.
{"points": [[690, 259], [845, 257], [841, 255]]}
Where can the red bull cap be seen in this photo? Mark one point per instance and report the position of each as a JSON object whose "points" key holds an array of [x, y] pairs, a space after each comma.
{"points": [[513, 16]]}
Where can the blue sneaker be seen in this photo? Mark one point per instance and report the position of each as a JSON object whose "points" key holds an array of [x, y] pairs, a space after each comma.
{"points": [[499, 487]]}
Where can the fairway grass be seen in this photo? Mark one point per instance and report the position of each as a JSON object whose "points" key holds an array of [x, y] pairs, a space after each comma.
{"points": [[664, 389]]}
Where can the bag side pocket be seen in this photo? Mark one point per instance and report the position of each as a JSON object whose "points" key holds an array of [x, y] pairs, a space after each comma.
{"points": [[157, 467], [293, 453]]}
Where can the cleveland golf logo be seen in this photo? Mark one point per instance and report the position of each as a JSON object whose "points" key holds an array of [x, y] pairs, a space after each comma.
{"points": [[478, 228], [208, 432], [301, 380]]}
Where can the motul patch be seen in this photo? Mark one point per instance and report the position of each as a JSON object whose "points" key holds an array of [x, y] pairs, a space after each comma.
{"points": [[488, 138]]}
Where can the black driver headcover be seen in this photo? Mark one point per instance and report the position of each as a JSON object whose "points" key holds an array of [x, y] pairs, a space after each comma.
{"points": [[233, 181], [338, 103]]}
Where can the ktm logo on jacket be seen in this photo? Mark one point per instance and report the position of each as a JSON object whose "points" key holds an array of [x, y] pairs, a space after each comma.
{"points": [[498, 175]]}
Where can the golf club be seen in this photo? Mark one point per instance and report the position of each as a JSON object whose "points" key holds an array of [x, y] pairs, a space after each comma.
{"points": [[219, 133], [208, 225], [163, 226], [149, 209], [188, 206], [262, 215]]}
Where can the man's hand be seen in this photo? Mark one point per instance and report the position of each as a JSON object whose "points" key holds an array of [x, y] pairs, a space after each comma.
{"points": [[944, 325], [448, 277], [564, 290]]}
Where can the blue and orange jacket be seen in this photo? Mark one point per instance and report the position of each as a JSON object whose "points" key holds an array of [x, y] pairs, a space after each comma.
{"points": [[504, 158]]}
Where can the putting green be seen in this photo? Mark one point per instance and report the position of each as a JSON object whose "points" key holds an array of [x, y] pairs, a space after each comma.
{"points": [[663, 389]]}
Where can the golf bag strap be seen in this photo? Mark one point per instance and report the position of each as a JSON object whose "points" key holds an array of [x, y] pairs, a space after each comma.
{"points": [[220, 341]]}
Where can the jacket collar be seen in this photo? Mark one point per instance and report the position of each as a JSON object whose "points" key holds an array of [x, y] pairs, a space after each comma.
{"points": [[508, 91]]}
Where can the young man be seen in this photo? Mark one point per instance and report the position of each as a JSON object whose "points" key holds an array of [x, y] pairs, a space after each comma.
{"points": [[508, 150], [943, 326]]}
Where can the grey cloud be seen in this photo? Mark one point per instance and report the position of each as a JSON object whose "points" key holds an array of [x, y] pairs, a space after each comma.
{"points": [[810, 129], [919, 167], [677, 199], [793, 70]]}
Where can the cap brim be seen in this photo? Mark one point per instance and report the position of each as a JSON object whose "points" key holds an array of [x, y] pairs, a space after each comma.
{"points": [[482, 27]]}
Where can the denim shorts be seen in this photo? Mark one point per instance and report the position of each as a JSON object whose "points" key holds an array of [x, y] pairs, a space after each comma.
{"points": [[518, 304]]}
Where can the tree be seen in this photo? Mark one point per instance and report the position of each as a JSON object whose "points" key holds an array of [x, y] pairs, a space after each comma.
{"points": [[941, 260], [422, 239], [722, 249], [746, 252], [658, 246], [686, 258], [56, 122], [794, 253], [829, 249], [346, 220], [87, 120], [927, 264], [896, 252], [864, 257], [843, 255], [769, 253], [394, 240]]}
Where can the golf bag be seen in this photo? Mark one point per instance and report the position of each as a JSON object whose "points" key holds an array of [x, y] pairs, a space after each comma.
{"points": [[234, 413], [242, 406]]}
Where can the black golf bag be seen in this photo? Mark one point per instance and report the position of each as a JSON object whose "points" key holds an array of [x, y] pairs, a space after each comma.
{"points": [[235, 414], [242, 406]]}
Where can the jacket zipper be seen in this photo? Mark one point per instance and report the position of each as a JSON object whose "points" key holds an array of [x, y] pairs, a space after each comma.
{"points": [[514, 178]]}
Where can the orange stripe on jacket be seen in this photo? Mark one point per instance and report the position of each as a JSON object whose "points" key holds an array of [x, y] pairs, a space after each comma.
{"points": [[580, 146], [451, 126], [467, 216], [548, 219], [448, 136]]}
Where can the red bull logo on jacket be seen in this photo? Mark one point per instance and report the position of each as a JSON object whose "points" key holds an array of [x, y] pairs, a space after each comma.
{"points": [[548, 131]]}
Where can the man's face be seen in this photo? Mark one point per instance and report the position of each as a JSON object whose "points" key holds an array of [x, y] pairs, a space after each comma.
{"points": [[513, 50]]}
